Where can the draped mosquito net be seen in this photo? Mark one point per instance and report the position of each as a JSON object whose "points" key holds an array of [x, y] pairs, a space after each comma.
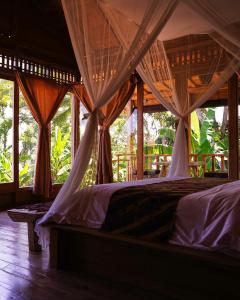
{"points": [[111, 38], [184, 82]]}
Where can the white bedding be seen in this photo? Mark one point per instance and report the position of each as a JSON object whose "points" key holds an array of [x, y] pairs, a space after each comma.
{"points": [[210, 220], [87, 207]]}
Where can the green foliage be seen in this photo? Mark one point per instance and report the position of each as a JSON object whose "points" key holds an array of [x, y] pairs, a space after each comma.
{"points": [[6, 165], [206, 137], [6, 116], [159, 135], [195, 125], [60, 156], [119, 135], [25, 175], [61, 141], [28, 134]]}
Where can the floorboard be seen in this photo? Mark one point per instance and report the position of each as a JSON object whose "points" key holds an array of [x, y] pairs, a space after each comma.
{"points": [[25, 275]]}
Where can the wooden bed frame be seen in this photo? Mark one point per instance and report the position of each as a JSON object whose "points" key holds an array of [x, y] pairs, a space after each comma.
{"points": [[170, 270]]}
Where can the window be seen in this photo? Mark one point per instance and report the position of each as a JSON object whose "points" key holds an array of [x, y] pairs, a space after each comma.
{"points": [[19, 130], [28, 134], [61, 141], [6, 130]]}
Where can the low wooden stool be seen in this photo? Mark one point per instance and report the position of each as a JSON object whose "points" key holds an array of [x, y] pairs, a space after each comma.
{"points": [[30, 217], [29, 214]]}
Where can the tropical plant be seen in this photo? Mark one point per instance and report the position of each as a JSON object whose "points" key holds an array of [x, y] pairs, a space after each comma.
{"points": [[60, 156], [25, 175], [6, 116], [6, 165], [207, 136], [28, 133]]}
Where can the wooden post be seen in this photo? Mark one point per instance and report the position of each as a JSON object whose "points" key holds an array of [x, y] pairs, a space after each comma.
{"points": [[16, 140], [129, 140], [189, 134], [129, 127], [140, 97], [75, 132], [233, 127]]}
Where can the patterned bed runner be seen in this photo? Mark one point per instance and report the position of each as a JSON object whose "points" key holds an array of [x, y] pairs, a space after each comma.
{"points": [[148, 212]]}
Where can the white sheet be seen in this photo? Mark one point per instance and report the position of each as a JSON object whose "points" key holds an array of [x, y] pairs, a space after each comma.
{"points": [[210, 220], [88, 207]]}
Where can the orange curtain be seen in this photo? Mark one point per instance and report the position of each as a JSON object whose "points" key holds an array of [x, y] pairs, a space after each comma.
{"points": [[110, 112], [43, 98]]}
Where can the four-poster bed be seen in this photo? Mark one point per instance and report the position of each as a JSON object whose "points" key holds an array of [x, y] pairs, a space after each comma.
{"points": [[132, 245], [110, 40], [102, 253], [139, 42]]}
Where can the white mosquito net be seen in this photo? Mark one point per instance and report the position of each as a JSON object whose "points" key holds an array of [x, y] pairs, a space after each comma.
{"points": [[111, 38], [184, 82]]}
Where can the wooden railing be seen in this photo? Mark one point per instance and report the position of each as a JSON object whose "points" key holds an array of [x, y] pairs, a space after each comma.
{"points": [[124, 164], [14, 63]]}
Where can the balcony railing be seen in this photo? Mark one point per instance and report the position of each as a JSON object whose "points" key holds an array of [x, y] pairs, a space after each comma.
{"points": [[125, 165]]}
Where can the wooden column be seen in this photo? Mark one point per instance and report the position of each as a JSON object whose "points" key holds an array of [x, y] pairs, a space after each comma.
{"points": [[233, 127], [16, 139], [140, 98], [75, 132], [129, 127], [189, 135], [130, 163]]}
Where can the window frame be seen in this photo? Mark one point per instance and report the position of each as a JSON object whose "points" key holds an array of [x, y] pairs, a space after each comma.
{"points": [[14, 187]]}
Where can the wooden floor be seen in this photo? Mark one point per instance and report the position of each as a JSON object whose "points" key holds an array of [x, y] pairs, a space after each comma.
{"points": [[25, 275]]}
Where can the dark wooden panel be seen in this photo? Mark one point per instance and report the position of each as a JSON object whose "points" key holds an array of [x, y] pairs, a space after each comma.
{"points": [[174, 271], [233, 127], [140, 136]]}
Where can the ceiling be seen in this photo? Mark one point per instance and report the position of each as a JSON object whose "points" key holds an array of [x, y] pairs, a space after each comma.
{"points": [[36, 29]]}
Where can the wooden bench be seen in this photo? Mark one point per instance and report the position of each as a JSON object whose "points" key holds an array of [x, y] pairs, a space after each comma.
{"points": [[30, 214]]}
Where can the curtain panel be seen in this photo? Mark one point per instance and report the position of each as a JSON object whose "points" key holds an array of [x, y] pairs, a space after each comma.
{"points": [[43, 99], [110, 112]]}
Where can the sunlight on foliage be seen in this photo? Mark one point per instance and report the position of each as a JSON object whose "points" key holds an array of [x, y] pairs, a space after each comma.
{"points": [[208, 137], [61, 141], [6, 123]]}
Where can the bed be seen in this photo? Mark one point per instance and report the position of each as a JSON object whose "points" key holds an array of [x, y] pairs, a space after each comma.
{"points": [[132, 245]]}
